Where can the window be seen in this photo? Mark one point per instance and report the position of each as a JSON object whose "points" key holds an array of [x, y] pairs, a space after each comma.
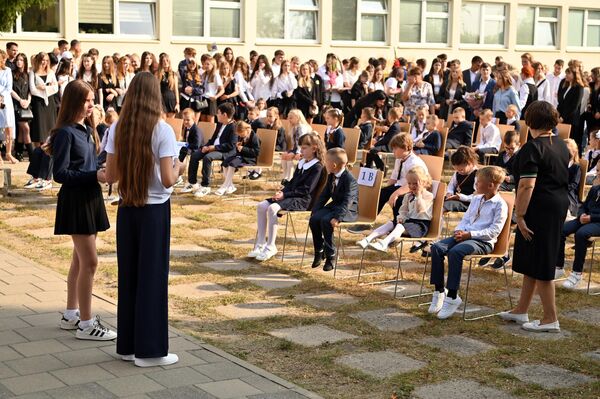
{"points": [[133, 17], [207, 18], [424, 21], [537, 26], [287, 19], [584, 28], [483, 23], [36, 19], [364, 19]]}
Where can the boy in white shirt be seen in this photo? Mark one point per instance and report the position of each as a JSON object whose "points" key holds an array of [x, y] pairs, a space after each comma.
{"points": [[490, 139]]}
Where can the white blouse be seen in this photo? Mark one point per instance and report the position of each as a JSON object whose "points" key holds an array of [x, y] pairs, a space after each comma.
{"points": [[284, 83], [261, 87]]}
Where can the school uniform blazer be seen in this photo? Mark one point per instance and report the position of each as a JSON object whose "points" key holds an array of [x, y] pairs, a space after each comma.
{"points": [[388, 136], [258, 123], [569, 102], [335, 138], [433, 142], [250, 150], [458, 96], [467, 79], [508, 165], [461, 133], [366, 134], [228, 139], [591, 205], [298, 193], [344, 198], [489, 89], [280, 143], [194, 137]]}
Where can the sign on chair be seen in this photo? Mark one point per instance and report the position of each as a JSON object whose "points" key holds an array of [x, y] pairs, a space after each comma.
{"points": [[367, 177]]}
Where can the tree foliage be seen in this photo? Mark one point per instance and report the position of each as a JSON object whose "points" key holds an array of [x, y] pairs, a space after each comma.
{"points": [[10, 9]]}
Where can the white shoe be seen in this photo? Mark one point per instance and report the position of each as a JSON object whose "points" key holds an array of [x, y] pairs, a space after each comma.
{"points": [[179, 182], [379, 246], [221, 190], [66, 324], [364, 243], [171, 358], [517, 318], [44, 185], [559, 272], [231, 189], [256, 251], [31, 183], [96, 332], [203, 191], [572, 281], [128, 358], [449, 307], [535, 326], [267, 254], [437, 301], [190, 188]]}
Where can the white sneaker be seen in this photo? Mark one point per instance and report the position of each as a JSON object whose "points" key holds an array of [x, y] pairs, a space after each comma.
{"points": [[221, 190], [231, 189], [96, 332], [267, 254], [256, 251], [437, 300], [559, 272], [449, 307], [31, 183], [179, 182], [128, 358], [535, 326], [190, 188], [44, 185], [66, 324], [379, 246], [517, 318], [364, 243], [572, 281], [171, 358], [203, 191]]}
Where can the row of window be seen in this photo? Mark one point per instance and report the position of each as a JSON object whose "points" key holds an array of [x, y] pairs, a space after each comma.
{"points": [[421, 21]]}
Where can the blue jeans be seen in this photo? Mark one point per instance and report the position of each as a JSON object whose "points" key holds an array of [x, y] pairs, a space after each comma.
{"points": [[582, 233], [455, 251]]}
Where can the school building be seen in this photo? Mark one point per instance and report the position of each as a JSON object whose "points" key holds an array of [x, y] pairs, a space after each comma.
{"points": [[413, 29]]}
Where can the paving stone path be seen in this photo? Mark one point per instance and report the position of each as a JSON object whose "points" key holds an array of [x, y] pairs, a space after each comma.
{"points": [[547, 376], [39, 360], [381, 364]]}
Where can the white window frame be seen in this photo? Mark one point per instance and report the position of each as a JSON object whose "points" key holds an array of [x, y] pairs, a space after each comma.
{"points": [[20, 33], [536, 20], [586, 22], [208, 5], [286, 25], [423, 25], [359, 14], [117, 22], [483, 19]]}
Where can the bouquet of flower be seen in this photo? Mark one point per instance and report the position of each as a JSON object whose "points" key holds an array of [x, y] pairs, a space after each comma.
{"points": [[475, 99]]}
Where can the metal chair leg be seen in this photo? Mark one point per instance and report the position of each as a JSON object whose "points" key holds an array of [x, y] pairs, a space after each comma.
{"points": [[304, 250], [287, 218], [362, 258], [467, 290], [590, 274], [337, 253], [294, 230], [399, 267]]}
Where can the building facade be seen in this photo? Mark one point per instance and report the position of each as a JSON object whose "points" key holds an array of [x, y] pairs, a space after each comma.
{"points": [[549, 29]]}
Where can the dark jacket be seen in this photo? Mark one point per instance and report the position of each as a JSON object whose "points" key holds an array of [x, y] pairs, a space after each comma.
{"points": [[258, 123], [574, 180], [74, 155], [304, 98], [569, 103], [194, 137], [227, 141], [517, 125], [388, 136], [591, 205], [344, 198], [459, 134], [298, 193], [433, 142], [335, 138], [467, 79], [458, 96], [280, 143], [250, 149], [508, 165], [366, 134], [366, 101], [489, 89]]}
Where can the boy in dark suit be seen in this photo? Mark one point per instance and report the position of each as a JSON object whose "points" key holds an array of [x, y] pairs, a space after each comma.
{"points": [[461, 130], [342, 189], [430, 141], [256, 123], [222, 145], [192, 135]]}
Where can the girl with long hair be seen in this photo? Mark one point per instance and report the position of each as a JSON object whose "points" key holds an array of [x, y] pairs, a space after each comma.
{"points": [[298, 128], [241, 74], [504, 95], [148, 63], [230, 87], [213, 88], [124, 77], [192, 89], [169, 86], [262, 78], [142, 157], [22, 100], [306, 93], [7, 113], [283, 89], [64, 74], [80, 210], [88, 73], [107, 84]]}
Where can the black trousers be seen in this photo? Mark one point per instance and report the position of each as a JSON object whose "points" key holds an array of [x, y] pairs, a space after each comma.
{"points": [[143, 245], [384, 197], [322, 231], [373, 157], [40, 165], [207, 159]]}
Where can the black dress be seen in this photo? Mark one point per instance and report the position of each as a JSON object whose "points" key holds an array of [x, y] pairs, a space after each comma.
{"points": [[44, 116], [105, 86], [546, 159], [168, 96]]}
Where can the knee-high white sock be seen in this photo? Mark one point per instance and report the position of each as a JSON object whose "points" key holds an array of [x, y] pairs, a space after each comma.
{"points": [[394, 234], [381, 230], [229, 172], [284, 167], [272, 224], [261, 221]]}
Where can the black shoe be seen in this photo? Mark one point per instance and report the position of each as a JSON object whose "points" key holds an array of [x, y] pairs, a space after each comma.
{"points": [[499, 262], [329, 263], [284, 182], [359, 228], [425, 253], [255, 176], [484, 261], [418, 246], [319, 257]]}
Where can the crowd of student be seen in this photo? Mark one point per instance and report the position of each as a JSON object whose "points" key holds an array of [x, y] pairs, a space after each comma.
{"points": [[245, 96]]}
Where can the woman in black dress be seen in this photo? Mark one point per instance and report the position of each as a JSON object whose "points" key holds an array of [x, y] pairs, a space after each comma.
{"points": [[107, 83], [305, 94], [80, 210], [169, 86], [43, 86], [22, 101], [542, 178]]}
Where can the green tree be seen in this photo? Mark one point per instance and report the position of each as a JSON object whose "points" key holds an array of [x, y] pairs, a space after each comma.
{"points": [[9, 9]]}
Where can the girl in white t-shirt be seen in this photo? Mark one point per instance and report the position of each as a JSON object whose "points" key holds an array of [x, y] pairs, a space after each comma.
{"points": [[213, 88], [376, 82]]}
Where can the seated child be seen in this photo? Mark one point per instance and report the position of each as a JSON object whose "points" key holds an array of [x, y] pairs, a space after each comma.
{"points": [[342, 189], [334, 135], [417, 126], [490, 140], [506, 159], [221, 146], [383, 144], [586, 225], [574, 177], [592, 154], [366, 124], [414, 215], [476, 234], [295, 196], [247, 149], [430, 141], [256, 122], [461, 130], [512, 118], [298, 128], [192, 135], [462, 184], [261, 104], [274, 123]]}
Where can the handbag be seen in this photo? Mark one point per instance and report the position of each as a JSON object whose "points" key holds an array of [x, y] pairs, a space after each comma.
{"points": [[24, 114], [197, 104]]}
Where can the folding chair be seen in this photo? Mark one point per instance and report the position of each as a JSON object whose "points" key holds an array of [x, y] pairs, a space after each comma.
{"points": [[503, 130], [523, 133], [404, 127], [321, 129], [583, 165], [177, 125], [444, 133], [208, 129], [266, 153], [351, 144], [593, 240], [564, 130], [500, 249], [435, 166]]}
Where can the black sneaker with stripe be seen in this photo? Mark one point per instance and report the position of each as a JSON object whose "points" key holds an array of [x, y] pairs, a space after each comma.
{"points": [[96, 332]]}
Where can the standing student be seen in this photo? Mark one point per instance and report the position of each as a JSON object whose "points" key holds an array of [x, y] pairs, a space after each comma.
{"points": [[504, 95], [541, 83], [169, 86], [192, 88], [88, 72], [417, 93], [528, 90], [570, 94], [80, 210], [555, 78], [7, 119], [107, 84], [246, 154], [142, 157], [230, 87], [213, 88], [334, 134], [452, 92], [283, 89], [124, 77], [376, 82], [22, 101], [64, 75], [305, 94], [262, 79]]}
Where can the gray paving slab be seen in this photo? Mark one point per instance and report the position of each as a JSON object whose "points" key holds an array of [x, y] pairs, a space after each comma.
{"points": [[188, 250], [382, 364], [35, 364], [228, 388], [389, 319], [255, 310], [83, 391], [278, 395], [585, 315], [211, 232], [40, 347], [130, 385], [83, 356], [32, 383], [186, 392], [82, 374], [458, 345], [272, 281], [464, 389], [312, 335], [198, 290], [327, 300], [227, 265], [223, 370], [594, 355], [548, 376], [8, 353]]}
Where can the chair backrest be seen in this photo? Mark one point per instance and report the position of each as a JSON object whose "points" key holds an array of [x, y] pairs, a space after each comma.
{"points": [[441, 124], [320, 186], [208, 129], [564, 130], [435, 227], [268, 139], [503, 129], [442, 150], [404, 127], [351, 144], [368, 197], [503, 242], [286, 124], [435, 165], [321, 129], [177, 125], [524, 133], [583, 165]]}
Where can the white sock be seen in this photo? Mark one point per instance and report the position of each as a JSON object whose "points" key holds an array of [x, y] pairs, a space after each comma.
{"points": [[229, 176], [71, 314], [381, 230], [284, 167], [394, 234], [83, 324], [290, 170]]}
